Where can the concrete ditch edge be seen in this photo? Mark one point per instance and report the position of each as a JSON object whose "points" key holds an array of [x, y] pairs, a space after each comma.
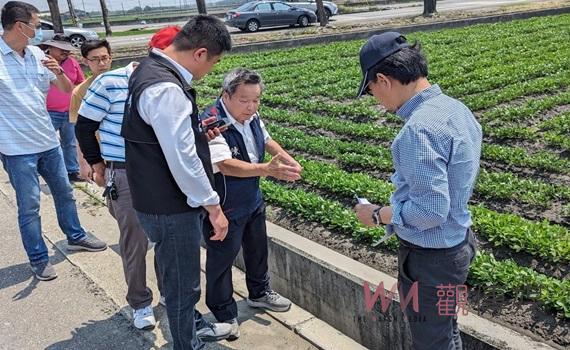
{"points": [[332, 324], [329, 285], [304, 324]]}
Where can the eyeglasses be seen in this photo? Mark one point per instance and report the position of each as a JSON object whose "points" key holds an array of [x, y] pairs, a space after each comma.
{"points": [[105, 59], [31, 25]]}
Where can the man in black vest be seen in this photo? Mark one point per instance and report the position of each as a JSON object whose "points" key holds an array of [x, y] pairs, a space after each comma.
{"points": [[169, 168], [239, 156]]}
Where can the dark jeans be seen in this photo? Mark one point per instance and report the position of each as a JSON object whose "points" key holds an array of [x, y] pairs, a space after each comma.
{"points": [[23, 173], [250, 233], [432, 268], [177, 252]]}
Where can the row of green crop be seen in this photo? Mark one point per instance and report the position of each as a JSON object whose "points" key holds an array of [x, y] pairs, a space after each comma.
{"points": [[344, 91], [482, 75], [542, 239], [484, 272], [512, 156], [482, 40], [523, 113], [505, 186], [300, 74], [363, 154], [556, 125]]}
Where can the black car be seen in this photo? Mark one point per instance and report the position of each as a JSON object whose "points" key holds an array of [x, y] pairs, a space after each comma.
{"points": [[256, 14]]}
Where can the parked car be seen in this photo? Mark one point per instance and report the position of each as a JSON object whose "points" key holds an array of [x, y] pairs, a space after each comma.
{"points": [[76, 35], [330, 8], [256, 14]]}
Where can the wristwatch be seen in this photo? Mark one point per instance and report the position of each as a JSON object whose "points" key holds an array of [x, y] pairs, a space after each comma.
{"points": [[376, 216]]}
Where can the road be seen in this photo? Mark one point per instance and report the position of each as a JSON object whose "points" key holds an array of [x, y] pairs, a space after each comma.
{"points": [[85, 307], [389, 12], [70, 312]]}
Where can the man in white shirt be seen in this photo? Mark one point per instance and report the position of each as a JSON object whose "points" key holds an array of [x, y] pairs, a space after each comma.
{"points": [[238, 154], [168, 165], [28, 142]]}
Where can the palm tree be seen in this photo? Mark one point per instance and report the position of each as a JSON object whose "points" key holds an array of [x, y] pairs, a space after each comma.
{"points": [[429, 8], [55, 16], [105, 14]]}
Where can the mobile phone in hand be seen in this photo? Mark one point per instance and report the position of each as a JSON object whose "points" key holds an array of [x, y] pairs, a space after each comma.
{"points": [[217, 124]]}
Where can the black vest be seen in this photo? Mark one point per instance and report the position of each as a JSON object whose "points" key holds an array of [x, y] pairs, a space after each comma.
{"points": [[153, 188], [240, 196]]}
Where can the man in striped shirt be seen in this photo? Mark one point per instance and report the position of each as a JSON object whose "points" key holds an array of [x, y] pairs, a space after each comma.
{"points": [[436, 160], [28, 141], [102, 110]]}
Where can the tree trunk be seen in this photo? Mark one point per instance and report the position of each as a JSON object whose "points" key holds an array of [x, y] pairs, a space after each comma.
{"points": [[55, 16], [72, 12], [201, 4], [322, 13], [429, 8], [105, 14]]}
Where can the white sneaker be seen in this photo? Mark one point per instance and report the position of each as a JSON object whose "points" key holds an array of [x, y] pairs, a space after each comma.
{"points": [[234, 335], [214, 332], [144, 318], [162, 301]]}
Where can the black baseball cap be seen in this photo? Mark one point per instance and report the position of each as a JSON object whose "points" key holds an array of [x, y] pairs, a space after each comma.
{"points": [[376, 49]]}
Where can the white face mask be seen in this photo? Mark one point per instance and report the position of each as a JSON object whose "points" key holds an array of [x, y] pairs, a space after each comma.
{"points": [[37, 38]]}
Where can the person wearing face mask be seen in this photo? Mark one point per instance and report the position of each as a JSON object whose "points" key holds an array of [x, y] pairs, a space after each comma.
{"points": [[58, 102], [28, 141], [238, 161]]}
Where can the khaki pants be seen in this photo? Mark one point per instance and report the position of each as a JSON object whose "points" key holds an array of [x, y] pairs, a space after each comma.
{"points": [[133, 242]]}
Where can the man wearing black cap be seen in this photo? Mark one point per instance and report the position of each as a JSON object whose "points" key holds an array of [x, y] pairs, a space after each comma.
{"points": [[436, 160]]}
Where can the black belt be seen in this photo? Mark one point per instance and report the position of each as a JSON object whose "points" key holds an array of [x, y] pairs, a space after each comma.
{"points": [[116, 165]]}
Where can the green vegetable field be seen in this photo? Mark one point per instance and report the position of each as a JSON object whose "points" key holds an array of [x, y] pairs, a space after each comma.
{"points": [[515, 77]]}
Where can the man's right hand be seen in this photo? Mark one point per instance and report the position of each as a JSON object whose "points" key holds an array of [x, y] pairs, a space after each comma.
{"points": [[219, 222], [85, 170], [99, 173], [279, 170]]}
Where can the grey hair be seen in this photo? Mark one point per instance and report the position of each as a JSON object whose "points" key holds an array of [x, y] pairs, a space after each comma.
{"points": [[240, 76]]}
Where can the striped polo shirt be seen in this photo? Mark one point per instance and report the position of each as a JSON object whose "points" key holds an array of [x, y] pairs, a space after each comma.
{"points": [[25, 125], [104, 102]]}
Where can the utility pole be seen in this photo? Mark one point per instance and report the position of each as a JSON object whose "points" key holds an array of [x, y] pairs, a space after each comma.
{"points": [[72, 12]]}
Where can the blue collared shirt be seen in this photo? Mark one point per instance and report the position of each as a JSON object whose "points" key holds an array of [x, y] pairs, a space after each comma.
{"points": [[436, 157], [25, 125]]}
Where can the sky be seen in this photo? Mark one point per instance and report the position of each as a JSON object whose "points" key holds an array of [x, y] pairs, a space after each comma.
{"points": [[113, 5]]}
